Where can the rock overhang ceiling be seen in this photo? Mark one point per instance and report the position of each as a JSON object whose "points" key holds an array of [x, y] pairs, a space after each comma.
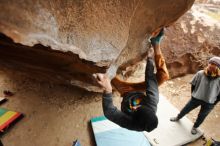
{"points": [[70, 40]]}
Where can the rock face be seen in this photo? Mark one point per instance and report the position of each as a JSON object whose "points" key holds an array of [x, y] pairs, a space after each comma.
{"points": [[68, 41], [193, 39]]}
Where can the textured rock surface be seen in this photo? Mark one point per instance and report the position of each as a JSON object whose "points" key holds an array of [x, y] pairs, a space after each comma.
{"points": [[191, 41], [70, 40]]}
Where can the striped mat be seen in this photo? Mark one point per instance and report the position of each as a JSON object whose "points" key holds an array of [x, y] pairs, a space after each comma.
{"points": [[108, 133], [7, 117]]}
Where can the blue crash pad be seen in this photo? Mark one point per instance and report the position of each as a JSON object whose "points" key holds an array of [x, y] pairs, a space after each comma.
{"points": [[108, 133]]}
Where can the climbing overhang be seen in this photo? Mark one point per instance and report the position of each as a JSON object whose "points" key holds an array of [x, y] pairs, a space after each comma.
{"points": [[68, 41]]}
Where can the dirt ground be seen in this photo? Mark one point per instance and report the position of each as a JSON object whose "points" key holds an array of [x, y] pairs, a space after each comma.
{"points": [[55, 115]]}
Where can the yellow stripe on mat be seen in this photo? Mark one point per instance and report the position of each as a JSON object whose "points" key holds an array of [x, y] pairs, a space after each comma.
{"points": [[8, 115]]}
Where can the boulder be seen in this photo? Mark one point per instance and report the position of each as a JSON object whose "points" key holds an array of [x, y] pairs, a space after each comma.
{"points": [[68, 41], [189, 43], [193, 39]]}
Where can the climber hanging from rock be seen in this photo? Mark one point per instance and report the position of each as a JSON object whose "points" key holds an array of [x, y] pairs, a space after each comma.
{"points": [[138, 109]]}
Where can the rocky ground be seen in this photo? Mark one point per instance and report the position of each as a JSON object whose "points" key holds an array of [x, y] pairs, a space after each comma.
{"points": [[55, 115]]}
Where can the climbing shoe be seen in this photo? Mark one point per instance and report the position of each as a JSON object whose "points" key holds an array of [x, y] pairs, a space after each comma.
{"points": [[158, 38]]}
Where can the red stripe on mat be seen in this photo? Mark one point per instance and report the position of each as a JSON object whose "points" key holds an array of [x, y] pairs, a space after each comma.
{"points": [[10, 121]]}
